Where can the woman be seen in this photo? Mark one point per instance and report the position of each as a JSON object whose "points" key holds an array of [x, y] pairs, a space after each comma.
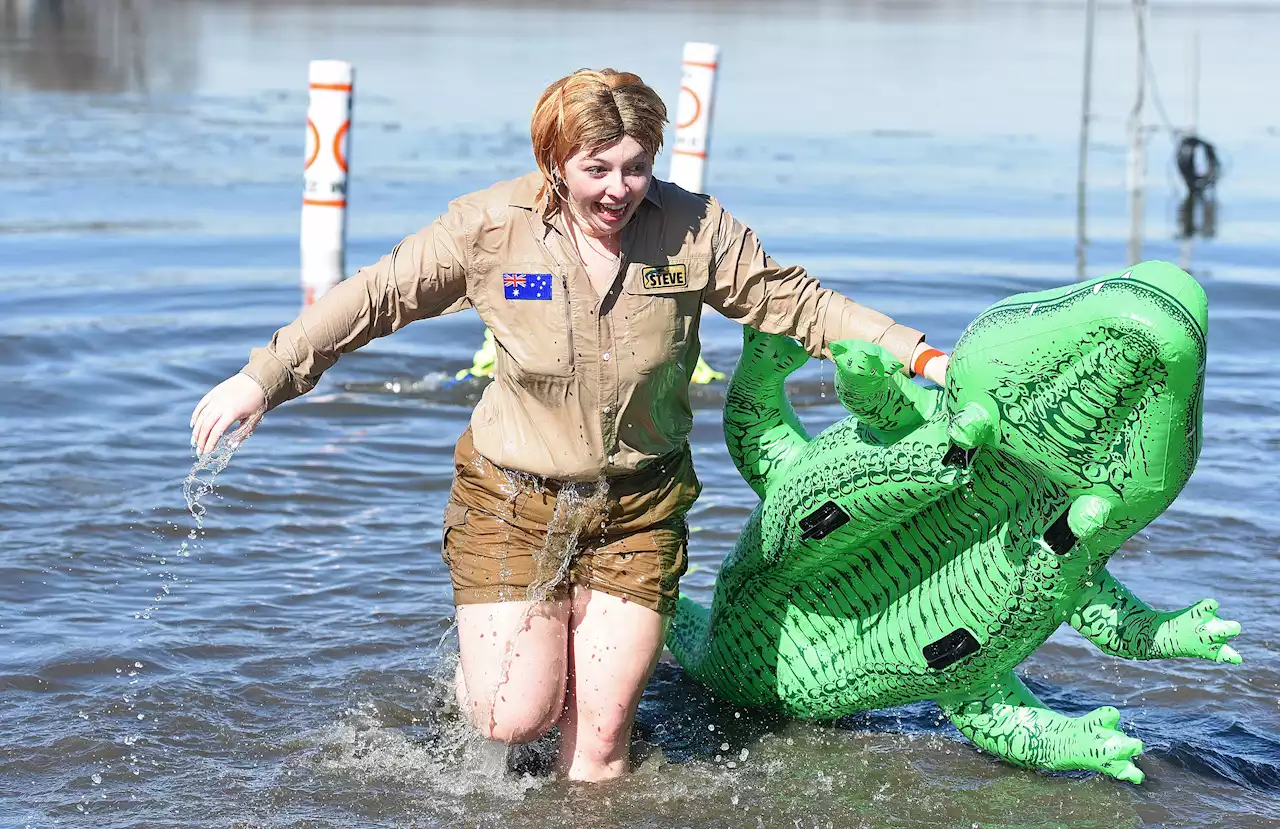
{"points": [[565, 529]]}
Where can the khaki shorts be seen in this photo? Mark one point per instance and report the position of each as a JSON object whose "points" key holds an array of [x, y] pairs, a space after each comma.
{"points": [[512, 536]]}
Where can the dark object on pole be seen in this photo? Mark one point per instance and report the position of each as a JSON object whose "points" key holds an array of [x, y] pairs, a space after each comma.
{"points": [[1198, 165]]}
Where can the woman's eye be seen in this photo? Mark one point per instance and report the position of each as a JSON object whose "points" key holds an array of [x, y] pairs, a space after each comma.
{"points": [[595, 171]]}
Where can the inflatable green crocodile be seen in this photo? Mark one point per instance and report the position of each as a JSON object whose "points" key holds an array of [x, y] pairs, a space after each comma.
{"points": [[926, 545]]}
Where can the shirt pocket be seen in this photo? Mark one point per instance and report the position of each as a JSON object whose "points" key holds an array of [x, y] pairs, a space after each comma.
{"points": [[455, 515], [527, 308], [661, 305]]}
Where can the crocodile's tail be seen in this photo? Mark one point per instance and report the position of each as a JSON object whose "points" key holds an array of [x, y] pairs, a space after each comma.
{"points": [[689, 633], [761, 429]]}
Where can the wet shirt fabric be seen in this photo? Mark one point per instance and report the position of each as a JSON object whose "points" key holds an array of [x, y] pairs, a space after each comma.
{"points": [[584, 384]]}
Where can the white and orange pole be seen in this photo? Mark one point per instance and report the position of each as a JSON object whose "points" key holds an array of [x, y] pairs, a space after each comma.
{"points": [[693, 115], [693, 132], [324, 198]]}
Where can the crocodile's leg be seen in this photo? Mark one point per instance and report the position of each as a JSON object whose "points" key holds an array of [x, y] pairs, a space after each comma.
{"points": [[871, 386], [761, 430], [1007, 720], [1121, 624], [848, 489]]}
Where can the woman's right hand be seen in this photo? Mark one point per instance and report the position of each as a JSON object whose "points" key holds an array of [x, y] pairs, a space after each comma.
{"points": [[236, 399]]}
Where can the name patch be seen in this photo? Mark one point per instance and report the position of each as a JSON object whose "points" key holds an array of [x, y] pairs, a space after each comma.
{"points": [[526, 285], [664, 278]]}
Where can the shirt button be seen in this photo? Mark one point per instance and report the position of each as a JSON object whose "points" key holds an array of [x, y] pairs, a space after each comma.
{"points": [[605, 356], [608, 410]]}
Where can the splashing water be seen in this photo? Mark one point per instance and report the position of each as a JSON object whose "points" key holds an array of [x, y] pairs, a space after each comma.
{"points": [[196, 487], [198, 484], [578, 506]]}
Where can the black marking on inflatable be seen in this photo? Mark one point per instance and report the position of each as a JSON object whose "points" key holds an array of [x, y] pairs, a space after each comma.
{"points": [[958, 456], [1059, 536], [823, 521], [1070, 298], [950, 649]]}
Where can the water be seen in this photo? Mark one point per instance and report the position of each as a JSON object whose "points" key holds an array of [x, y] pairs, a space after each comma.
{"points": [[282, 659]]}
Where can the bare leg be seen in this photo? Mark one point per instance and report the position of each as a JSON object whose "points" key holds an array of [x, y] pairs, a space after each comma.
{"points": [[513, 664], [614, 646]]}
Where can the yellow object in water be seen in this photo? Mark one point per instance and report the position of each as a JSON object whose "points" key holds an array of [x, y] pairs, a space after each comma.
{"points": [[703, 374], [482, 364], [483, 360]]}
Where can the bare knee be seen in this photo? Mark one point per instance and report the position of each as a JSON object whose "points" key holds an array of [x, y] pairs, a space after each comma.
{"points": [[511, 718], [515, 722]]}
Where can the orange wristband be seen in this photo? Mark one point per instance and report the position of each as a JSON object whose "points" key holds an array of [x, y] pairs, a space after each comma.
{"points": [[925, 356]]}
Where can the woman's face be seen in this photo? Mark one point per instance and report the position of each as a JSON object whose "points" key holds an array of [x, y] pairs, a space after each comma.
{"points": [[606, 186]]}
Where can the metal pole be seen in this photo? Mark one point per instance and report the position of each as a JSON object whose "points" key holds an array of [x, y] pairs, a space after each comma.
{"points": [[1194, 80], [1082, 190], [1137, 140], [1193, 114]]}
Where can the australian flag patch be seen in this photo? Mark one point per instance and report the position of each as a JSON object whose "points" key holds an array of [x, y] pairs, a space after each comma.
{"points": [[526, 285]]}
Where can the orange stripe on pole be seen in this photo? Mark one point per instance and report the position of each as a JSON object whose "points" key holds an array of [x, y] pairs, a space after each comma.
{"points": [[697, 108], [326, 203], [703, 64], [337, 145], [693, 153], [335, 87], [315, 137]]}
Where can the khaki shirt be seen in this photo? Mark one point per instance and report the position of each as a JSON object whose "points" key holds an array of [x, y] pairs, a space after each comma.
{"points": [[583, 384]]}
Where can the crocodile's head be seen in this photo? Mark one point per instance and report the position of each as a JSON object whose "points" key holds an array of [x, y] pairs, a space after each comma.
{"points": [[1098, 386]]}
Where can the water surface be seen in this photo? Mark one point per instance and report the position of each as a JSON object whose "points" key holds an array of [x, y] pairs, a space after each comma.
{"points": [[282, 663]]}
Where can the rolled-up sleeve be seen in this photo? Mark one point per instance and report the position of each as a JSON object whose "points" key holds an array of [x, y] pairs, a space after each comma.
{"points": [[748, 286], [425, 275]]}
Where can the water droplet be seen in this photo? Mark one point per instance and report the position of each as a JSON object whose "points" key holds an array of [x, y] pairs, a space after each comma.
{"points": [[97, 779], [724, 746], [742, 755]]}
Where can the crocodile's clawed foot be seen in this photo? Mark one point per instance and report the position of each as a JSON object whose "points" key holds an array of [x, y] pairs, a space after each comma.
{"points": [[773, 351], [1197, 631], [1107, 749]]}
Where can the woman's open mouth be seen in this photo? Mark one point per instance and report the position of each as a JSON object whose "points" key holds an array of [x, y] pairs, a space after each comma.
{"points": [[611, 212]]}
